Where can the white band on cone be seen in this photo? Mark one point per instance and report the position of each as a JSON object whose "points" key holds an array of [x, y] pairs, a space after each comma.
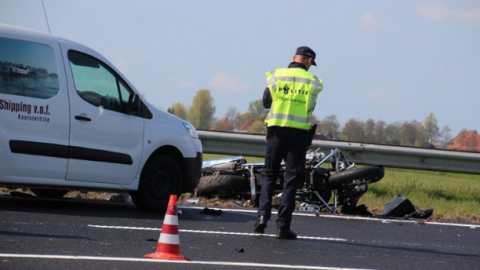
{"points": [[171, 220], [171, 239]]}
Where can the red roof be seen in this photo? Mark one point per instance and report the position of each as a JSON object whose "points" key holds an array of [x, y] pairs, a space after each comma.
{"points": [[247, 124], [223, 122], [467, 140]]}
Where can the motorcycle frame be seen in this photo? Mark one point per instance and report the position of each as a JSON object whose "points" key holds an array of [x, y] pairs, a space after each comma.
{"points": [[335, 157], [237, 164]]}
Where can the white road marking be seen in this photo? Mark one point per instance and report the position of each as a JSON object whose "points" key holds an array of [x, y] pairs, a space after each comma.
{"points": [[214, 232], [383, 220], [243, 264]]}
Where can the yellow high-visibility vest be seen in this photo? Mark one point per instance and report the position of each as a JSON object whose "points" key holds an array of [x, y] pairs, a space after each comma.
{"points": [[294, 96]]}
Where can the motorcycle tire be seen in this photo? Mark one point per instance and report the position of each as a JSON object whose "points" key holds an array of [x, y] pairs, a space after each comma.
{"points": [[356, 176], [222, 184]]}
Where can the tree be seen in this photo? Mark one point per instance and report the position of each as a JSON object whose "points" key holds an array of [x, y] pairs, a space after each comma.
{"points": [[369, 131], [240, 119], [331, 125], [314, 120], [256, 110], [431, 129], [411, 134], [445, 136], [179, 110], [391, 134], [380, 135], [257, 128], [202, 110], [353, 131], [231, 113], [406, 134]]}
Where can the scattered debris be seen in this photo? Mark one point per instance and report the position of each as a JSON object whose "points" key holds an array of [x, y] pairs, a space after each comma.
{"points": [[239, 203], [192, 201], [239, 250], [402, 207], [121, 198], [420, 222], [361, 210], [212, 212]]}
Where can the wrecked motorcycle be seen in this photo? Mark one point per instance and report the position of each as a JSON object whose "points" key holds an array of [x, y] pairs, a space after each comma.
{"points": [[324, 175]]}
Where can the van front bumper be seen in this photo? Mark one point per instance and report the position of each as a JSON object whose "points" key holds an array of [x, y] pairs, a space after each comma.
{"points": [[193, 166]]}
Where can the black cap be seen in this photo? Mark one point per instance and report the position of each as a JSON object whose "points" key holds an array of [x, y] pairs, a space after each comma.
{"points": [[306, 51]]}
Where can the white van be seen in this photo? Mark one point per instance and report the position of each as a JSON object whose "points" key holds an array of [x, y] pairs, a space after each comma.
{"points": [[69, 120]]}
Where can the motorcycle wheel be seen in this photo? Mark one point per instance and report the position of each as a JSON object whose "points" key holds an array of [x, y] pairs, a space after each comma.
{"points": [[356, 176], [222, 184]]}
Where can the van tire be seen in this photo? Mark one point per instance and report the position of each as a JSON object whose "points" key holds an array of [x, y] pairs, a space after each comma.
{"points": [[49, 193], [160, 178]]}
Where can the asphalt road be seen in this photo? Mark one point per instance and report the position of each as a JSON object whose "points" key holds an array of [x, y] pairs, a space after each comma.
{"points": [[83, 234]]}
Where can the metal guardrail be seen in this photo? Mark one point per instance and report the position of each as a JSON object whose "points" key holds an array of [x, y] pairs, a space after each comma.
{"points": [[360, 153]]}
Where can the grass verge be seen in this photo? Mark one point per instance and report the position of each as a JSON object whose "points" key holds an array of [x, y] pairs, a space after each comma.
{"points": [[454, 196]]}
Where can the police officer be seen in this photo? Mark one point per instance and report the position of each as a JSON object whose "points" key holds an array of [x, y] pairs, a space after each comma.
{"points": [[291, 96]]}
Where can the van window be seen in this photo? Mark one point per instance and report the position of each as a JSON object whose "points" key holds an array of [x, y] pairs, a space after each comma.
{"points": [[97, 84], [28, 69]]}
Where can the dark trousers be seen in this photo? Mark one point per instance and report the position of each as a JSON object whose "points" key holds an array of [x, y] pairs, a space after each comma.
{"points": [[289, 144]]}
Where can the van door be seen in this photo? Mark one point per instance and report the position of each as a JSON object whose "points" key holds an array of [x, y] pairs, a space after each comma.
{"points": [[106, 142], [34, 114]]}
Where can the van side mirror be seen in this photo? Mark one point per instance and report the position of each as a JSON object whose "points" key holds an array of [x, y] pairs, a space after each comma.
{"points": [[133, 106]]}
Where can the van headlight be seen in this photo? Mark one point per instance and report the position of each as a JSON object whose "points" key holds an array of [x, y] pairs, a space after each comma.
{"points": [[191, 129]]}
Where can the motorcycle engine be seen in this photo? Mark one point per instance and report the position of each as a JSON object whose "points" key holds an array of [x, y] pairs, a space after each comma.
{"points": [[318, 178]]}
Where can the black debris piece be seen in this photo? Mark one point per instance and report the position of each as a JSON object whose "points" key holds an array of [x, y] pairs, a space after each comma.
{"points": [[239, 250], [213, 212], [360, 210], [403, 207]]}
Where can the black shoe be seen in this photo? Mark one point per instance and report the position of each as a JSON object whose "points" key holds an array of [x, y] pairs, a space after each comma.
{"points": [[286, 234], [260, 225]]}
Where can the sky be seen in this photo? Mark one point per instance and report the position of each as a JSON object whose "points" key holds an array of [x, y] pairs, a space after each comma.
{"points": [[393, 61]]}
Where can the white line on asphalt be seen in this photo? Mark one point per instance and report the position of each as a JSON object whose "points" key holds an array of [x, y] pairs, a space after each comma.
{"points": [[243, 264], [214, 232], [383, 220]]}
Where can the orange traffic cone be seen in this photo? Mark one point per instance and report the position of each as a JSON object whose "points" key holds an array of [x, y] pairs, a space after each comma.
{"points": [[168, 247]]}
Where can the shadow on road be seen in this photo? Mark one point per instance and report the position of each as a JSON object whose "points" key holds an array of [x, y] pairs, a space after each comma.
{"points": [[105, 209], [75, 207]]}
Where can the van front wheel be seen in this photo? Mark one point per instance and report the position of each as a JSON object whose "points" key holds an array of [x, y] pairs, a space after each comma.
{"points": [[160, 178]]}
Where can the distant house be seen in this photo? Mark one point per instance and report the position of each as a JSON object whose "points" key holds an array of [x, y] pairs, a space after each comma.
{"points": [[222, 125], [466, 140], [246, 124]]}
